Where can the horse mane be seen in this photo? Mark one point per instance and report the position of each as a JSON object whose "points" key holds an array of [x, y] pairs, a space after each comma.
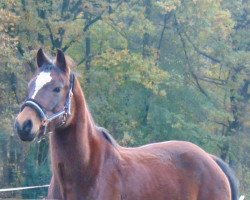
{"points": [[105, 133], [107, 136]]}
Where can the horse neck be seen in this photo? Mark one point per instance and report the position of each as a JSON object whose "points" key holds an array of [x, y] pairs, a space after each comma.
{"points": [[75, 145]]}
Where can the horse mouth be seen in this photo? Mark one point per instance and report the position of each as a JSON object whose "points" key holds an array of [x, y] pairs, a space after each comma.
{"points": [[27, 137]]}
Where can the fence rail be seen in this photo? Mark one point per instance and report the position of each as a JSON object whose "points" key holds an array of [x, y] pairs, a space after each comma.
{"points": [[242, 197], [22, 188]]}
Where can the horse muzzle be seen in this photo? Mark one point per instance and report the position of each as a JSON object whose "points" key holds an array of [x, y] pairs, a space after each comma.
{"points": [[27, 124], [24, 130]]}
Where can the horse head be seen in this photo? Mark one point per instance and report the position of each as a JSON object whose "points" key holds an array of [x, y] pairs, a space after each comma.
{"points": [[48, 104]]}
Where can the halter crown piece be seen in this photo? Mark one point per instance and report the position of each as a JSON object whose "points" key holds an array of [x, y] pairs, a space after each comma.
{"points": [[32, 103]]}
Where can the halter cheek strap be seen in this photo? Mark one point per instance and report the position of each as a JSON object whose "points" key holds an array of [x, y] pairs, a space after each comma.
{"points": [[32, 103]]}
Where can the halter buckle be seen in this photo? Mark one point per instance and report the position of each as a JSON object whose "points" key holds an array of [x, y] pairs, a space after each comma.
{"points": [[65, 115], [45, 122]]}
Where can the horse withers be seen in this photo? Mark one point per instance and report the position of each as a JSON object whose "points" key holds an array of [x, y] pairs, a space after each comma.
{"points": [[87, 163]]}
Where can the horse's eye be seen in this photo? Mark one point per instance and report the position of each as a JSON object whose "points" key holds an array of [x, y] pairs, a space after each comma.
{"points": [[57, 90]]}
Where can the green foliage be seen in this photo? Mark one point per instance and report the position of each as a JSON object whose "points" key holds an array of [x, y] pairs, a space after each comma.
{"points": [[8, 78], [38, 172], [124, 66]]}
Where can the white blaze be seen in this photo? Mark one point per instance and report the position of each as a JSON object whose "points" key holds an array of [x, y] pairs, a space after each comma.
{"points": [[42, 79]]}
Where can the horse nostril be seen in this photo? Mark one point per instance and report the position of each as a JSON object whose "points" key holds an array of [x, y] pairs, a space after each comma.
{"points": [[27, 126]]}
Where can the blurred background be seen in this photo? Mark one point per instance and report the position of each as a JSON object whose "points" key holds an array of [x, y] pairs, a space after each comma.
{"points": [[151, 70]]}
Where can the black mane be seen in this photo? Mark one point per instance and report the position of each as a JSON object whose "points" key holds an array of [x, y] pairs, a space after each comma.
{"points": [[107, 136]]}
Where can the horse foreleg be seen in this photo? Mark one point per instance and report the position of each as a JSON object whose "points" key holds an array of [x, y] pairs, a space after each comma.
{"points": [[54, 190]]}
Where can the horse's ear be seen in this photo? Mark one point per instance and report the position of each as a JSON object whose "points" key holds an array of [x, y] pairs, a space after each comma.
{"points": [[41, 58], [61, 61]]}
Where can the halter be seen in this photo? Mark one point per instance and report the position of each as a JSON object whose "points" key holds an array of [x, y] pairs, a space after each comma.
{"points": [[32, 103]]}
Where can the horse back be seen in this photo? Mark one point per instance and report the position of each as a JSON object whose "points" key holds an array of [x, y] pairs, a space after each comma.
{"points": [[171, 170]]}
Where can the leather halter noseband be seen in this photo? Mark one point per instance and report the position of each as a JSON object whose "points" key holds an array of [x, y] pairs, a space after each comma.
{"points": [[32, 103]]}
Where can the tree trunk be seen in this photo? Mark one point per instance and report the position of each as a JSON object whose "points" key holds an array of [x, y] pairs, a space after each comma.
{"points": [[146, 53], [146, 36], [88, 53]]}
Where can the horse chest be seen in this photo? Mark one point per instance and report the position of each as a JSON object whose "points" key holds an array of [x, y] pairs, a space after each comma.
{"points": [[74, 186]]}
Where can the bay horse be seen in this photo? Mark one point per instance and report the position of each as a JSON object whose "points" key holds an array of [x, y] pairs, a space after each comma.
{"points": [[88, 164]]}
